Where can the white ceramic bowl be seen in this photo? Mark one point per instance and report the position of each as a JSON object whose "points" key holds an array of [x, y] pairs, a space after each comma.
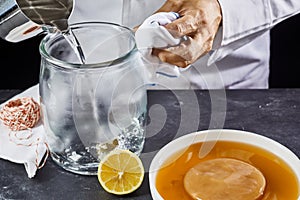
{"points": [[221, 135]]}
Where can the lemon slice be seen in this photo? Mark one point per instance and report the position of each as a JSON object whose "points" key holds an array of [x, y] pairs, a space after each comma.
{"points": [[120, 172]]}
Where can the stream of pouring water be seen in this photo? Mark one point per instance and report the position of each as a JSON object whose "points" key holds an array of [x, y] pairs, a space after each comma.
{"points": [[73, 41]]}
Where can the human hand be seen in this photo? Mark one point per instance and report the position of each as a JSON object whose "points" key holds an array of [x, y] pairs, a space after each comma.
{"points": [[199, 22]]}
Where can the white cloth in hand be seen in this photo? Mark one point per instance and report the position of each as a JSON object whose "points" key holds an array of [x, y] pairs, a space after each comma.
{"points": [[28, 151], [152, 34]]}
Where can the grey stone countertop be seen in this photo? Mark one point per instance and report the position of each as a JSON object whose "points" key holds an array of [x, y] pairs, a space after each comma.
{"points": [[274, 113]]}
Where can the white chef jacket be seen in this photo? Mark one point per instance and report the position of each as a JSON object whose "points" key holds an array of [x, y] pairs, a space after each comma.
{"points": [[241, 52]]}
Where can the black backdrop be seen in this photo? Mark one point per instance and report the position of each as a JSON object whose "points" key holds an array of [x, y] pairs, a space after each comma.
{"points": [[20, 62], [285, 55]]}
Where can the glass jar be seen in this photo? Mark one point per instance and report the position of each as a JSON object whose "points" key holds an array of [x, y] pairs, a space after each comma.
{"points": [[89, 109]]}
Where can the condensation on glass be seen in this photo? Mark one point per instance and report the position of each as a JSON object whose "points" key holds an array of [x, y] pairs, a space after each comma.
{"points": [[89, 109]]}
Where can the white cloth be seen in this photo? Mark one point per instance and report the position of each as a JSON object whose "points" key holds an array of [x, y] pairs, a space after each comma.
{"points": [[241, 49], [29, 152], [152, 34]]}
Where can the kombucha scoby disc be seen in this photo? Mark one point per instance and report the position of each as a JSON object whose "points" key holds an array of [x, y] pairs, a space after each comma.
{"points": [[224, 178]]}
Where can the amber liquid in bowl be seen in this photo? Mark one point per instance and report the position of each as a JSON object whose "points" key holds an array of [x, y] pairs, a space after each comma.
{"points": [[281, 182]]}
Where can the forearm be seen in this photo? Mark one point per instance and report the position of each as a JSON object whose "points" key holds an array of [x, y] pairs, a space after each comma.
{"points": [[243, 21], [247, 17]]}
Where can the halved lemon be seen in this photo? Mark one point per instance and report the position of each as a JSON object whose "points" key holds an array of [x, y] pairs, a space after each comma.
{"points": [[120, 172]]}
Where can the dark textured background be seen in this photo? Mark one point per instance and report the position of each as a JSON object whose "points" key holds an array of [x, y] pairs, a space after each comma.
{"points": [[273, 113], [21, 61]]}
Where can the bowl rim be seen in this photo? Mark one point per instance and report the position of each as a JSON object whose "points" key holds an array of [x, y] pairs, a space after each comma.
{"points": [[254, 139]]}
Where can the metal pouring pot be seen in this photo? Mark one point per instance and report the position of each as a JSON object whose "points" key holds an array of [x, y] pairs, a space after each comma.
{"points": [[20, 19]]}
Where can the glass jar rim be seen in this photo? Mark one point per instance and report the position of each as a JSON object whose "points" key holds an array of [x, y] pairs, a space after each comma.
{"points": [[73, 66]]}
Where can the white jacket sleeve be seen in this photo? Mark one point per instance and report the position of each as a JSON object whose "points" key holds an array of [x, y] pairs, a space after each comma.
{"points": [[247, 19]]}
